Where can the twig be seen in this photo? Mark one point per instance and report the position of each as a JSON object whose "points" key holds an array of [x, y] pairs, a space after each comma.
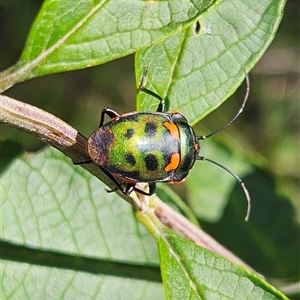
{"points": [[68, 140]]}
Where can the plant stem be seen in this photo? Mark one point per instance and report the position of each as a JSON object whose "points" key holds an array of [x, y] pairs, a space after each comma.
{"points": [[68, 140]]}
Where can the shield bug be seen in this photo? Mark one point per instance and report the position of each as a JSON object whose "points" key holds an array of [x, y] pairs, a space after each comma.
{"points": [[150, 147]]}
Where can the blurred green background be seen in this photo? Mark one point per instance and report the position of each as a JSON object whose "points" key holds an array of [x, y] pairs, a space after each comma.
{"points": [[268, 130]]}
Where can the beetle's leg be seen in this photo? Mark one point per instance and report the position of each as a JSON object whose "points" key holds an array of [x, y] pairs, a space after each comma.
{"points": [[112, 190], [161, 105], [87, 161], [117, 183], [110, 112], [129, 188], [126, 191], [152, 188]]}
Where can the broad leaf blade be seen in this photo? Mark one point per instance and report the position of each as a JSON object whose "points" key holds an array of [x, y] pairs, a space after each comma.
{"points": [[69, 36], [59, 222], [197, 71], [192, 272], [51, 204], [24, 281]]}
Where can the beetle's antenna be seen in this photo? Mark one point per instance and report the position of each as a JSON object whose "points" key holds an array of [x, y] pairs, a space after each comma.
{"points": [[238, 179], [203, 137]]}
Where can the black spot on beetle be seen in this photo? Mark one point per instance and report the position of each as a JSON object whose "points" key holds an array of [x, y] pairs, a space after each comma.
{"points": [[130, 159], [151, 162], [150, 129], [129, 133]]}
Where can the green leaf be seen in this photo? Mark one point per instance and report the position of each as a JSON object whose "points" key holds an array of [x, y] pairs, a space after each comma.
{"points": [[69, 36], [192, 272], [197, 70], [60, 228]]}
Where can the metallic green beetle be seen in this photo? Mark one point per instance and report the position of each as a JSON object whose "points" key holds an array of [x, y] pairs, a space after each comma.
{"points": [[149, 147]]}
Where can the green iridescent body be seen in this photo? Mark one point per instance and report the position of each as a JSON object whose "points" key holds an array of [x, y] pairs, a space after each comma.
{"points": [[146, 147]]}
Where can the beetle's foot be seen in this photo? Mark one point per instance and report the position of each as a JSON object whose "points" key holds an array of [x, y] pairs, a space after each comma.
{"points": [[112, 190], [86, 161], [124, 191]]}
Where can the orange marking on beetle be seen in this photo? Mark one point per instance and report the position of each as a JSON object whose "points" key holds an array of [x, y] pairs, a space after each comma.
{"points": [[173, 130], [175, 160]]}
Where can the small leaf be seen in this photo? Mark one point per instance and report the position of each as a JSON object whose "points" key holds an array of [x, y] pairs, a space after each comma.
{"points": [[192, 272]]}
